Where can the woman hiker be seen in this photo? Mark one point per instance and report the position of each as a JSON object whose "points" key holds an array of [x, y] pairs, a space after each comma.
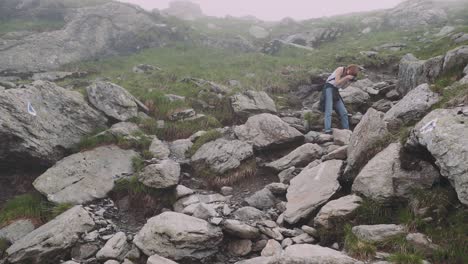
{"points": [[331, 98]]}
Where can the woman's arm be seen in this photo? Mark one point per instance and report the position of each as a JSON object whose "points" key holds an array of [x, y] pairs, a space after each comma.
{"points": [[340, 81]]}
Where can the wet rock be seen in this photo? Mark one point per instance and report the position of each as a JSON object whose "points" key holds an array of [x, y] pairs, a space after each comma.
{"points": [[265, 131], [43, 244], [113, 100], [443, 133], [311, 189], [178, 236], [164, 174], [85, 176], [61, 119], [383, 179], [301, 156], [378, 233]]}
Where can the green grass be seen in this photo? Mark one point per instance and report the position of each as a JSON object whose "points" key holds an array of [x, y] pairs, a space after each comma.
{"points": [[357, 248], [30, 25], [405, 258], [138, 163], [137, 141], [372, 213], [247, 169], [205, 138], [453, 95], [30, 206], [133, 186]]}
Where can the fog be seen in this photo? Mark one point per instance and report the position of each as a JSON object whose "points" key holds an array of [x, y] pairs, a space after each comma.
{"points": [[277, 9]]}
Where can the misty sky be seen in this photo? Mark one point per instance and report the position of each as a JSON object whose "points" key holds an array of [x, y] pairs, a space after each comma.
{"points": [[277, 9]]}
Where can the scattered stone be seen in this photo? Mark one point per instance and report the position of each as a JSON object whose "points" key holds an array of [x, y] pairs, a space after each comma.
{"points": [[272, 248], [240, 230], [164, 174], [383, 105], [144, 68], [286, 175], [310, 230], [340, 153], [248, 213], [301, 156], [341, 136], [303, 239], [311, 189], [265, 131], [378, 233], [84, 251], [277, 188], [85, 176], [251, 103], [178, 236], [159, 149], [182, 191], [178, 149], [226, 190], [204, 211]]}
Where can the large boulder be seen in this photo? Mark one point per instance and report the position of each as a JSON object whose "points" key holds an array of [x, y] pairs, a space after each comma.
{"points": [[113, 100], [163, 174], [85, 176], [409, 14], [266, 131], [412, 107], [178, 236], [314, 37], [16, 230], [383, 178], [378, 233], [301, 156], [223, 161], [444, 133], [355, 99], [58, 120], [49, 242], [185, 10], [413, 72], [251, 103], [310, 189], [456, 58], [362, 147], [115, 248], [89, 33], [258, 32]]}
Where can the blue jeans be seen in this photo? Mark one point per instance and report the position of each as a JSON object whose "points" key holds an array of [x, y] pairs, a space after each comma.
{"points": [[339, 107]]}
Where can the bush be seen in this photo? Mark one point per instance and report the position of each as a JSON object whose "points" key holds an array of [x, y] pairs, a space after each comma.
{"points": [[205, 138]]}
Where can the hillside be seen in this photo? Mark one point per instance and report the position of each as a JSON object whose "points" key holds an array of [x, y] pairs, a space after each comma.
{"points": [[167, 136]]}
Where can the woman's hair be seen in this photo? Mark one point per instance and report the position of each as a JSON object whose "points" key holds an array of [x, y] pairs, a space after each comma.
{"points": [[353, 69]]}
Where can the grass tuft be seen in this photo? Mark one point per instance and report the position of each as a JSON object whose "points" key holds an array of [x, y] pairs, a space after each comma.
{"points": [[205, 138], [405, 258], [357, 248], [214, 180]]}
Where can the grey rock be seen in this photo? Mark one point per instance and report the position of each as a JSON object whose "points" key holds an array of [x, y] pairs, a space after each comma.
{"points": [[383, 179], [16, 230], [51, 76], [314, 37], [225, 190], [341, 136], [291, 232], [251, 103], [240, 247], [301, 156], [164, 174], [262, 199], [277, 188], [240, 230], [178, 236], [248, 213], [182, 191], [143, 68], [311, 189], [324, 138], [378, 233], [271, 232], [184, 10], [258, 32], [183, 114], [85, 176], [7, 84], [303, 239], [460, 37], [286, 175], [287, 242], [383, 105], [443, 133], [204, 211], [257, 260], [355, 99], [310, 230], [42, 244], [62, 119], [111, 261], [122, 129], [272, 248], [340, 153], [313, 254], [174, 97], [84, 251], [413, 72], [412, 107], [159, 149], [115, 248], [156, 259], [456, 58], [445, 31], [113, 100], [265, 131], [412, 13], [422, 243], [337, 210], [393, 95], [222, 156], [370, 130], [90, 32], [178, 149]]}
